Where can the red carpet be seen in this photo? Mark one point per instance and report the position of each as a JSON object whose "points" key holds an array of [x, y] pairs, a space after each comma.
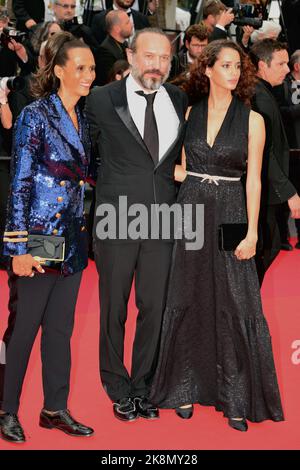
{"points": [[207, 429]]}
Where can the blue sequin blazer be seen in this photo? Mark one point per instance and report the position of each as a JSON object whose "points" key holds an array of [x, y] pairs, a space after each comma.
{"points": [[50, 162]]}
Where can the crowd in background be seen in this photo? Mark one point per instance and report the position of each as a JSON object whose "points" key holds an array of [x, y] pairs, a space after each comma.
{"points": [[107, 28], [38, 68]]}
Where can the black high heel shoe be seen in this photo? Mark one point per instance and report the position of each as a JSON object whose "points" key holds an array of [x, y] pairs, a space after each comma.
{"points": [[238, 424], [185, 413]]}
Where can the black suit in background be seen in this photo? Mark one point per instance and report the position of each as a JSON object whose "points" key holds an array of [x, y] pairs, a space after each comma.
{"points": [[291, 15], [105, 56], [276, 186], [180, 64], [127, 169], [142, 5], [140, 21], [89, 12], [290, 112], [193, 11], [81, 31], [218, 33], [25, 10]]}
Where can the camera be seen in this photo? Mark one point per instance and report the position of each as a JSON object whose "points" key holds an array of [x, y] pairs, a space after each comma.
{"points": [[247, 15], [8, 34], [12, 83]]}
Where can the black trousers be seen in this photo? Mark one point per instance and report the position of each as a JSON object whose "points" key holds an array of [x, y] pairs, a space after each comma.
{"points": [[46, 300], [147, 261], [269, 242]]}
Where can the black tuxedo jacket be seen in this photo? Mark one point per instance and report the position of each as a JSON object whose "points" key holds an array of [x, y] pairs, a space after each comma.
{"points": [[291, 15], [25, 10], [105, 56], [276, 186], [142, 5], [217, 33], [127, 168], [140, 21]]}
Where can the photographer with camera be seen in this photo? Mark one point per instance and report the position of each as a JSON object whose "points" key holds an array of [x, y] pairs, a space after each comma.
{"points": [[216, 18], [64, 14], [11, 54], [13, 49]]}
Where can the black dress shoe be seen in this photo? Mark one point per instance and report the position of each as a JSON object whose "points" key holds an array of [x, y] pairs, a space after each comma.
{"points": [[297, 246], [11, 429], [286, 246], [185, 413], [238, 424], [146, 409], [63, 421], [125, 409]]}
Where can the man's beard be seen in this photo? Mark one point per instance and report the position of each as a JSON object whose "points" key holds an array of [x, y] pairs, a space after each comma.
{"points": [[149, 83], [124, 5]]}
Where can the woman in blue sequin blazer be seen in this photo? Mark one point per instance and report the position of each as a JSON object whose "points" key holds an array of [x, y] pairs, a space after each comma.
{"points": [[50, 164]]}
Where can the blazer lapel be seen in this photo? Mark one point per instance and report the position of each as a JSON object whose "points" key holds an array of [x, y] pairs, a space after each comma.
{"points": [[64, 125], [119, 99]]}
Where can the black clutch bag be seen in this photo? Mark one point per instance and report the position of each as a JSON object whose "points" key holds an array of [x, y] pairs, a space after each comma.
{"points": [[48, 250], [230, 235]]}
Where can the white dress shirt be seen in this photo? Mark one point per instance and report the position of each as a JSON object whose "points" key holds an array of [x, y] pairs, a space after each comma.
{"points": [[165, 114]]}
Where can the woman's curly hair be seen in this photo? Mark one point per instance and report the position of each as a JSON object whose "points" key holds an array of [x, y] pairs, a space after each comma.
{"points": [[196, 85]]}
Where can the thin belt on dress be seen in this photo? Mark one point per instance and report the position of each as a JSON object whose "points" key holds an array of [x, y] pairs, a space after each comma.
{"points": [[213, 178]]}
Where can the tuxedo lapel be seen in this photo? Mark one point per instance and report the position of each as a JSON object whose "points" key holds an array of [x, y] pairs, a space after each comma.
{"points": [[119, 99]]}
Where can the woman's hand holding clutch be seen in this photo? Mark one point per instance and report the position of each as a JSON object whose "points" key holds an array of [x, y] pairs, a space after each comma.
{"points": [[23, 265]]}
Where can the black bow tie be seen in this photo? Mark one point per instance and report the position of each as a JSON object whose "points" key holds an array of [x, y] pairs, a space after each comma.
{"points": [[129, 13]]}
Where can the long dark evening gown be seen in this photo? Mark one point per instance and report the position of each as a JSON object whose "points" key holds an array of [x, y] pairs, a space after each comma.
{"points": [[215, 344]]}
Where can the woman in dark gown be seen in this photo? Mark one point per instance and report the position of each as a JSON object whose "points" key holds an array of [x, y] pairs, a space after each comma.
{"points": [[215, 345]]}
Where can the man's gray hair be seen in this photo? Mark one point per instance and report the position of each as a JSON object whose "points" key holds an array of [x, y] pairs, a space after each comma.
{"points": [[295, 59], [140, 32]]}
